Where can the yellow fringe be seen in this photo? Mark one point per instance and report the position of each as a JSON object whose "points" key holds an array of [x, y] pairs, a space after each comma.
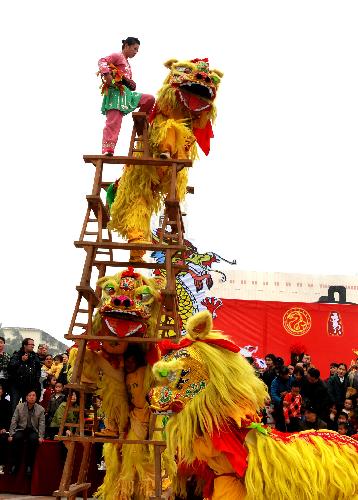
{"points": [[300, 470], [219, 402]]}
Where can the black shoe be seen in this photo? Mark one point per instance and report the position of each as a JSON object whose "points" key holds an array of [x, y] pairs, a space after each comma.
{"points": [[13, 470]]}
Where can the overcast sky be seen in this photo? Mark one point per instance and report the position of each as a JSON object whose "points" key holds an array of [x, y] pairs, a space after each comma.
{"points": [[278, 191]]}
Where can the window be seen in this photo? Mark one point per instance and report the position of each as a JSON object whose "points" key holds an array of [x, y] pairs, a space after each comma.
{"points": [[288, 283]]}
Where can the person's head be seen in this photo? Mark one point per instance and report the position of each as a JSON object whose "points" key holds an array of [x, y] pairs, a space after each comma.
{"points": [[57, 359], [133, 358], [342, 369], [306, 358], [28, 345], [295, 388], [298, 372], [343, 428], [74, 397], [348, 404], [97, 402], [342, 417], [310, 414], [270, 360], [279, 362], [313, 375], [42, 350], [2, 344], [2, 392], [333, 369], [130, 46], [290, 369], [65, 358], [31, 398], [48, 361], [52, 380], [58, 388], [284, 373]]}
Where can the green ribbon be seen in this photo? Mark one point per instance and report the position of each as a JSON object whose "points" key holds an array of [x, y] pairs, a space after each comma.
{"points": [[259, 427]]}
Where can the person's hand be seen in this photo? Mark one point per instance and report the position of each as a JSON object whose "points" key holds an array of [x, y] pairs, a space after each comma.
{"points": [[41, 440], [9, 439], [287, 421], [25, 357], [283, 394], [129, 83], [107, 78], [2, 431], [68, 433]]}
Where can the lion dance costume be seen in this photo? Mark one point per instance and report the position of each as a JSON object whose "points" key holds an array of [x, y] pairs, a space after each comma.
{"points": [[181, 118], [216, 433], [129, 306]]}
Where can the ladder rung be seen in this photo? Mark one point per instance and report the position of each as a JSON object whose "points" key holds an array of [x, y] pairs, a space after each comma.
{"points": [[92, 220], [84, 325], [137, 151], [91, 233], [103, 252], [83, 310]]}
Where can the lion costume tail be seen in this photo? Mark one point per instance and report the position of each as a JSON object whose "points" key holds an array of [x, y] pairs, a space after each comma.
{"points": [[319, 465]]}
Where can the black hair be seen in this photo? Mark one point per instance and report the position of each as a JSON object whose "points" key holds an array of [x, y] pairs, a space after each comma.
{"points": [[271, 356], [333, 365], [344, 415], [26, 341], [59, 357], [130, 40], [342, 364], [343, 424], [279, 361], [296, 383], [137, 352], [2, 338], [283, 370], [314, 372], [298, 369]]}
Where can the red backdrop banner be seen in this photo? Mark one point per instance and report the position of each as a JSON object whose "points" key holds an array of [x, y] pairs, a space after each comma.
{"points": [[328, 332]]}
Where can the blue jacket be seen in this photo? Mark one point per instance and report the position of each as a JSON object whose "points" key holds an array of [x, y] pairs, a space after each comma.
{"points": [[279, 385]]}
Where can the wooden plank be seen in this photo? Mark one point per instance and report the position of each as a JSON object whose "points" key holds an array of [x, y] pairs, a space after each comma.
{"points": [[128, 246], [159, 162], [94, 202], [141, 265], [97, 439], [72, 490], [88, 293], [109, 339]]}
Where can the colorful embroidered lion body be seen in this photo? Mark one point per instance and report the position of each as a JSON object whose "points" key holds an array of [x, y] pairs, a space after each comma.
{"points": [[215, 431], [129, 306], [181, 118]]}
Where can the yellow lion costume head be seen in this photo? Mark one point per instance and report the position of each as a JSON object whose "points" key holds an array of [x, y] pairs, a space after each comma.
{"points": [[216, 399]]}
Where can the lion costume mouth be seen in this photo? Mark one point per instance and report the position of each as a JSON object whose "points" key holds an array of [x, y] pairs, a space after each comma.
{"points": [[195, 96], [124, 324]]}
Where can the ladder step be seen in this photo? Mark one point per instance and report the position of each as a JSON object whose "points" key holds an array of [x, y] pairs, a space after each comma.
{"points": [[94, 202], [82, 325], [88, 293], [91, 233], [83, 310]]}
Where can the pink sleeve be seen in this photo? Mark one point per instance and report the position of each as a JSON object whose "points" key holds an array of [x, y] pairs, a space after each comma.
{"points": [[117, 59]]}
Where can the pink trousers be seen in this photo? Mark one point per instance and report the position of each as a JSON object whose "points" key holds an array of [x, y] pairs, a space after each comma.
{"points": [[114, 121]]}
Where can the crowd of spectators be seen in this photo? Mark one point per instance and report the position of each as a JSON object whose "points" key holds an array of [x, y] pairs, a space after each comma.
{"points": [[32, 401], [301, 400]]}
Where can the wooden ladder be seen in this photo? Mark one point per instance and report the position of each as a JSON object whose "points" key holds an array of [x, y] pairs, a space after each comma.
{"points": [[100, 254]]}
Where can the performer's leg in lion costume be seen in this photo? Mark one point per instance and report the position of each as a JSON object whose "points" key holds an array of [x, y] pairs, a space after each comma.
{"points": [[129, 306], [181, 118], [217, 398]]}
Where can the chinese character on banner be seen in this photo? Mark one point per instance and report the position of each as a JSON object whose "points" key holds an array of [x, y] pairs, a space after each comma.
{"points": [[334, 324]]}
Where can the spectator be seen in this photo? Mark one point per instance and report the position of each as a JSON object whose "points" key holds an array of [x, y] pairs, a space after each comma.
{"points": [[315, 393], [332, 370], [63, 373], [306, 360], [27, 424], [298, 374], [343, 418], [290, 369], [49, 386], [343, 428], [5, 419], [45, 368], [42, 352], [56, 399], [4, 363], [24, 371], [292, 407], [311, 420], [337, 385], [72, 417], [280, 386], [348, 407], [56, 366], [269, 373], [332, 420]]}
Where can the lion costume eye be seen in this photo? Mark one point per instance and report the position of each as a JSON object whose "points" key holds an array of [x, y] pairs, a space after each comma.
{"points": [[183, 69], [109, 289], [144, 294]]}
